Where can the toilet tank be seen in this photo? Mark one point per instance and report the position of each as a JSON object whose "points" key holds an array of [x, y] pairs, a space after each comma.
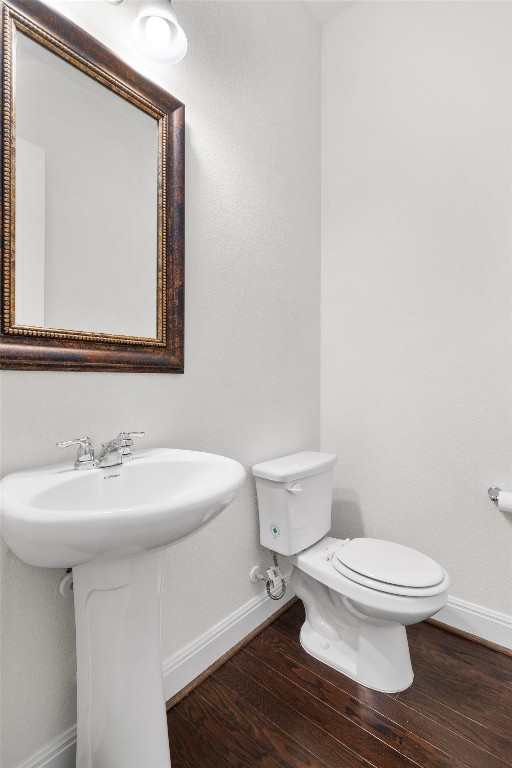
{"points": [[294, 500]]}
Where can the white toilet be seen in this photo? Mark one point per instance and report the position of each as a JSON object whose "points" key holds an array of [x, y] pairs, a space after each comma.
{"points": [[359, 594]]}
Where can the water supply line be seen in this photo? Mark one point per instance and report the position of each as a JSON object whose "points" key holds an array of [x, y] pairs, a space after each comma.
{"points": [[273, 575]]}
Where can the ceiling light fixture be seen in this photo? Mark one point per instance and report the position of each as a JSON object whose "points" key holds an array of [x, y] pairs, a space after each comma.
{"points": [[157, 34]]}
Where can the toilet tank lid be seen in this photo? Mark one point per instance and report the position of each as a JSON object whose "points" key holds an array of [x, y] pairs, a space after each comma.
{"points": [[295, 467]]}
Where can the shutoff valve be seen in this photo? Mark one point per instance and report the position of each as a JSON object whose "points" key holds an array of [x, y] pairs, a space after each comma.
{"points": [[273, 577]]}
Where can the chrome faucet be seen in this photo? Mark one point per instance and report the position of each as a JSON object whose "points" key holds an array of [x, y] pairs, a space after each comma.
{"points": [[116, 451]]}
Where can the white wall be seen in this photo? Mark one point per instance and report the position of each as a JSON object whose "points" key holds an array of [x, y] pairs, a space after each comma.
{"points": [[251, 85], [416, 281]]}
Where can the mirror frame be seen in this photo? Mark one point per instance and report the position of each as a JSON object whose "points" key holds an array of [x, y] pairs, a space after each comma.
{"points": [[31, 348]]}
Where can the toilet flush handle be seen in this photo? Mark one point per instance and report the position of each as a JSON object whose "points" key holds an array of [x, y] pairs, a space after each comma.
{"points": [[294, 488]]}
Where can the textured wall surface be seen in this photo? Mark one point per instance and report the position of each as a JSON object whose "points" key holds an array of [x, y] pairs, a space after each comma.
{"points": [[251, 85], [416, 281]]}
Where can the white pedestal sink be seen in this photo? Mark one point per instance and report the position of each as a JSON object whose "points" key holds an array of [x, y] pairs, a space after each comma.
{"points": [[112, 527]]}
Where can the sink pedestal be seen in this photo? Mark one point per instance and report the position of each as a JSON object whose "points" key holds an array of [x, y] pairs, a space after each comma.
{"points": [[120, 697]]}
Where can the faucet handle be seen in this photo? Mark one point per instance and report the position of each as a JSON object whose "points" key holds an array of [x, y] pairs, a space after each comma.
{"points": [[85, 455], [127, 436], [126, 441], [83, 442]]}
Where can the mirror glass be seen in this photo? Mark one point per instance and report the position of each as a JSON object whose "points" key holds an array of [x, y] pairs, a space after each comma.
{"points": [[86, 202]]}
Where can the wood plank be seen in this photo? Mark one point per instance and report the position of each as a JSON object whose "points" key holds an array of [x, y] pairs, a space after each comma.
{"points": [[321, 729], [274, 727], [286, 640], [438, 745], [296, 615], [225, 734], [420, 728], [462, 690], [461, 737], [343, 703], [424, 637], [428, 756], [188, 748], [465, 728]]}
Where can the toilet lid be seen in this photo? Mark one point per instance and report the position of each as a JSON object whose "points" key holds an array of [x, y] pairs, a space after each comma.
{"points": [[391, 563]]}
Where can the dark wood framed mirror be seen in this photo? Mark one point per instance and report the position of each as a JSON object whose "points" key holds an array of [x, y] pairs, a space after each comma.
{"points": [[92, 204]]}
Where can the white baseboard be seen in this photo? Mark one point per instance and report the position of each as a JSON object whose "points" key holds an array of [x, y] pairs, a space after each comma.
{"points": [[61, 753], [179, 670], [476, 620]]}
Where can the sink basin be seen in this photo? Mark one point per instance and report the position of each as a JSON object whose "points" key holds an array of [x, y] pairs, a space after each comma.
{"points": [[59, 517], [112, 527]]}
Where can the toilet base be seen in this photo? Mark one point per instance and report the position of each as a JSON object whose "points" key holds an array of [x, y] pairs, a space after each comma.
{"points": [[373, 652]]}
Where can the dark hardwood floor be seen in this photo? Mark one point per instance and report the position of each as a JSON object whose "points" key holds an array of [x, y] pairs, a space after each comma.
{"points": [[273, 705]]}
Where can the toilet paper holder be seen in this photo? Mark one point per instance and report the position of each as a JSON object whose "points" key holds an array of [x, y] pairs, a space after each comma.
{"points": [[502, 499], [493, 494]]}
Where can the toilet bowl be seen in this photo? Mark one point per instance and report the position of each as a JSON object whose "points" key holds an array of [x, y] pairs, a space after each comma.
{"points": [[356, 626], [359, 594]]}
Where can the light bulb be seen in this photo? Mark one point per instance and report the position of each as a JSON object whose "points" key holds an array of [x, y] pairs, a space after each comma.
{"points": [[158, 32]]}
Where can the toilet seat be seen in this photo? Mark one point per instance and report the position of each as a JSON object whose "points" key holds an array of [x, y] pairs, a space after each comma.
{"points": [[389, 567]]}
